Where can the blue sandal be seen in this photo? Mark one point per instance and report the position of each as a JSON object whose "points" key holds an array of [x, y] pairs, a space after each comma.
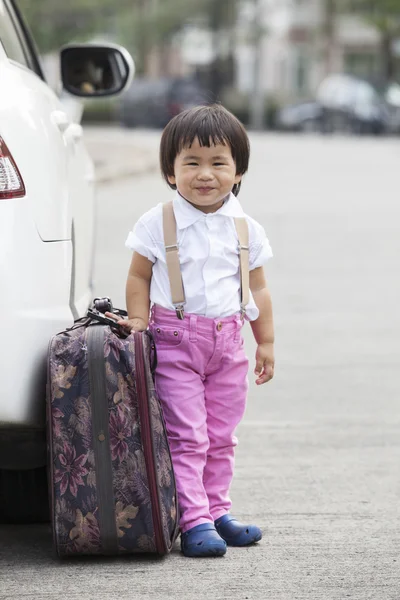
{"points": [[201, 541], [235, 533]]}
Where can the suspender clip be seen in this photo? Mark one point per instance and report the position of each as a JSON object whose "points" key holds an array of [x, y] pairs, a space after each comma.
{"points": [[179, 311]]}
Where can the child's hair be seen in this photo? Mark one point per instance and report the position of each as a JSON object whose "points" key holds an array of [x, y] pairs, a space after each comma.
{"points": [[211, 125]]}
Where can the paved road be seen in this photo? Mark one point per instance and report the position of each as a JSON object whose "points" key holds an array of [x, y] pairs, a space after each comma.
{"points": [[318, 460]]}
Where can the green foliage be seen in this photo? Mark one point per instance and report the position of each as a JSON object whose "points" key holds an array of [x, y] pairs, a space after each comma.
{"points": [[384, 15], [54, 24], [147, 24], [137, 23]]}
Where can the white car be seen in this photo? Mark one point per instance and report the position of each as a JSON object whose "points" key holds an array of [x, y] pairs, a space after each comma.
{"points": [[46, 237]]}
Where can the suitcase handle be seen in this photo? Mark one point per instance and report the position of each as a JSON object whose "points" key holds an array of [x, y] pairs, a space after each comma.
{"points": [[95, 315], [122, 332], [104, 304]]}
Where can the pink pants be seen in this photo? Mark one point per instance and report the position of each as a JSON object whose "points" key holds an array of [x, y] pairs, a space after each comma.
{"points": [[201, 380]]}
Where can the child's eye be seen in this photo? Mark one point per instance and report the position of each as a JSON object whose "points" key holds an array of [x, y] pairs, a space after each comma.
{"points": [[219, 164], [191, 164]]}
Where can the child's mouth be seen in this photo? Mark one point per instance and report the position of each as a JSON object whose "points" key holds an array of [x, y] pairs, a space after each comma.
{"points": [[204, 190]]}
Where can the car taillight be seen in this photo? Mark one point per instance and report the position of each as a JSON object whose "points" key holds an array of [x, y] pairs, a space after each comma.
{"points": [[11, 184]]}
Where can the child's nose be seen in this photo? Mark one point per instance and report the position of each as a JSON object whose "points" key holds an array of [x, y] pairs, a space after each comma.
{"points": [[205, 174]]}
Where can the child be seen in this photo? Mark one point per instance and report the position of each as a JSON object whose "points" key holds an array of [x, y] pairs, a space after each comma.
{"points": [[201, 376]]}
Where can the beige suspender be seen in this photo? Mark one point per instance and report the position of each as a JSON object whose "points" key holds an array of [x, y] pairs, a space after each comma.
{"points": [[174, 269], [172, 258], [242, 231]]}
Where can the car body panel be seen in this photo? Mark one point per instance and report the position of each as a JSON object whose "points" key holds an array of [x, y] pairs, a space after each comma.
{"points": [[41, 292], [39, 285], [35, 282], [81, 188], [38, 147]]}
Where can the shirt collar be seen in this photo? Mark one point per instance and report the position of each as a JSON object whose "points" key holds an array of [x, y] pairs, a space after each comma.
{"points": [[186, 214]]}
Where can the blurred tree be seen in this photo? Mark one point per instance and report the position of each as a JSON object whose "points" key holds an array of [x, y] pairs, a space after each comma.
{"points": [[141, 25], [329, 34], [257, 98], [154, 23], [54, 23], [222, 19], [384, 15], [148, 24]]}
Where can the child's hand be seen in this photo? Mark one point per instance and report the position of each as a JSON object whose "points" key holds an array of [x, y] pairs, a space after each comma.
{"points": [[136, 324], [265, 363]]}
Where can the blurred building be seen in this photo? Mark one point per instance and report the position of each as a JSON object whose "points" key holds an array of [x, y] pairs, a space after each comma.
{"points": [[301, 44]]}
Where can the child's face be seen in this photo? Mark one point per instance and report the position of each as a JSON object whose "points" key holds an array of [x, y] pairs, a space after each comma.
{"points": [[205, 176]]}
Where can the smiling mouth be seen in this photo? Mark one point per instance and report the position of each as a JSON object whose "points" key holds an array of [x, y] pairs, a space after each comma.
{"points": [[204, 188]]}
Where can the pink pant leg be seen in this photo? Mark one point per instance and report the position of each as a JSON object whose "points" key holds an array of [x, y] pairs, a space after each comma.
{"points": [[225, 392], [181, 392]]}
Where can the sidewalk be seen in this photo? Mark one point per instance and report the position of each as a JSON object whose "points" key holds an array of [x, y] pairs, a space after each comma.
{"points": [[120, 153]]}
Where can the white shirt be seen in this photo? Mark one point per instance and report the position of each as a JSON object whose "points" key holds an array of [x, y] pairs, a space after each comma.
{"points": [[208, 254]]}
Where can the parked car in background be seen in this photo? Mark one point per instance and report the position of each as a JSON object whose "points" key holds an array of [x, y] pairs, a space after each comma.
{"points": [[153, 102], [46, 237], [342, 104], [305, 116], [353, 105], [392, 99]]}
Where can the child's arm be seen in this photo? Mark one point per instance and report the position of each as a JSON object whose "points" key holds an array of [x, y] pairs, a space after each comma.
{"points": [[137, 294], [263, 327]]}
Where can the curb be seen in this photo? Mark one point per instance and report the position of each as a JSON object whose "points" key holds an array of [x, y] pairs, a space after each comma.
{"points": [[117, 155], [105, 173]]}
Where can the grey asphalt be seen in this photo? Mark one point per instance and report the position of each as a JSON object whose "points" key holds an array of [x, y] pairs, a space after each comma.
{"points": [[319, 452]]}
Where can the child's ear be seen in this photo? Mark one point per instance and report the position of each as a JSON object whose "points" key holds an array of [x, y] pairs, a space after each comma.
{"points": [[171, 179], [238, 179]]}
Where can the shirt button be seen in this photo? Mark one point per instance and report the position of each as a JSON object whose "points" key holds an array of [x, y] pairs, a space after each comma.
{"points": [[219, 326]]}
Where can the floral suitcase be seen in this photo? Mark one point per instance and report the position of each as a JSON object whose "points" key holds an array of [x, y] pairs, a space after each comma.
{"points": [[111, 481]]}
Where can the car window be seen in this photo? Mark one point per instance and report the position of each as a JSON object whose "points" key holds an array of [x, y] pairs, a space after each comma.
{"points": [[16, 38], [9, 37]]}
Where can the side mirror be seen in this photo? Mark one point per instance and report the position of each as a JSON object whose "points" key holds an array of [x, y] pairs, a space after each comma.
{"points": [[93, 70]]}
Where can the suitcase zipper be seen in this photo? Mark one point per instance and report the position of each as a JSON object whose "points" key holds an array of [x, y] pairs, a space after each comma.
{"points": [[141, 383]]}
